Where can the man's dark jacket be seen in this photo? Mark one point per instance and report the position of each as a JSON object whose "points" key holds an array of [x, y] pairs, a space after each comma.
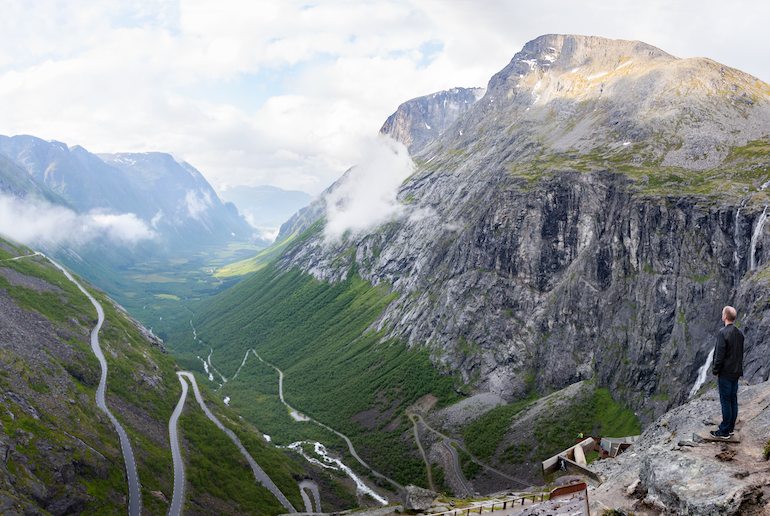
{"points": [[728, 353]]}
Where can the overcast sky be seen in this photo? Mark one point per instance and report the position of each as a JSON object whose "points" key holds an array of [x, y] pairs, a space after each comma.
{"points": [[283, 92]]}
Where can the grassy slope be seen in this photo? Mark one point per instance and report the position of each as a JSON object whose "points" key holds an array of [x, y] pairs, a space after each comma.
{"points": [[335, 366], [255, 263], [142, 391], [747, 168], [216, 468], [483, 435], [126, 351], [593, 412]]}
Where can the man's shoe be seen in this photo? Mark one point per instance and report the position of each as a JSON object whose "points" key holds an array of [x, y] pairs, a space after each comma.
{"points": [[717, 435]]}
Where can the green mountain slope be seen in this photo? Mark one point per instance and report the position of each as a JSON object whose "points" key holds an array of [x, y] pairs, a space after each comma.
{"points": [[62, 455], [65, 454], [338, 368]]}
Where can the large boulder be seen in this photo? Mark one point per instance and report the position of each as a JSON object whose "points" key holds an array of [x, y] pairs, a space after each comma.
{"points": [[418, 499]]}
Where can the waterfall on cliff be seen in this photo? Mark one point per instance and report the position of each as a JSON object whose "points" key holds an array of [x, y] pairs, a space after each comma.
{"points": [[702, 374], [736, 240], [754, 237]]}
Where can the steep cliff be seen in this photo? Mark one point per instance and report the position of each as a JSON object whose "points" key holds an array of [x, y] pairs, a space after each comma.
{"points": [[419, 121], [581, 220]]}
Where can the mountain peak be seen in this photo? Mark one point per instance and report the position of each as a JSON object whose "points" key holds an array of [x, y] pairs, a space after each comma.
{"points": [[571, 50], [582, 94], [583, 59]]}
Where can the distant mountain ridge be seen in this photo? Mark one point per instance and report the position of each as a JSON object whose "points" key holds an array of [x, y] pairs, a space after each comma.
{"points": [[173, 198], [19, 183], [266, 207]]}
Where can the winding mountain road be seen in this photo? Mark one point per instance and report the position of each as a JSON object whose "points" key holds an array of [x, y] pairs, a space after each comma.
{"points": [[259, 474], [459, 445], [134, 488], [304, 487], [177, 499], [15, 258], [456, 478]]}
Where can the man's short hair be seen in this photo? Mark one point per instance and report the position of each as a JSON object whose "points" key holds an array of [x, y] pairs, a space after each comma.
{"points": [[729, 313]]}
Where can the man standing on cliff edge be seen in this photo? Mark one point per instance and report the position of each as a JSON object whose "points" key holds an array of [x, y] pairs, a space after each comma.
{"points": [[728, 366]]}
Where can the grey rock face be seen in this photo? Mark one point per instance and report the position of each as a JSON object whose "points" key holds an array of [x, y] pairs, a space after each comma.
{"points": [[418, 499], [575, 278], [705, 478], [419, 121], [534, 239]]}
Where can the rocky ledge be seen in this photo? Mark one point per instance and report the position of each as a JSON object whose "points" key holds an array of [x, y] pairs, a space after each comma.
{"points": [[670, 470]]}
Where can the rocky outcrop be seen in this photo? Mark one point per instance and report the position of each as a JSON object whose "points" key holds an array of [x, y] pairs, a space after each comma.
{"points": [[671, 470], [565, 227], [418, 499], [419, 121]]}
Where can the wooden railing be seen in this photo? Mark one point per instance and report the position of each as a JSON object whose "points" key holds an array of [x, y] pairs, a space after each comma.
{"points": [[501, 505], [498, 505]]}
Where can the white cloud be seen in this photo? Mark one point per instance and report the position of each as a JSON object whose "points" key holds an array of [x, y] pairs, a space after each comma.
{"points": [[366, 196], [125, 228], [197, 203], [282, 92], [35, 222]]}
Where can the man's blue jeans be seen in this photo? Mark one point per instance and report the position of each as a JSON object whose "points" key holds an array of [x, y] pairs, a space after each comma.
{"points": [[728, 397]]}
